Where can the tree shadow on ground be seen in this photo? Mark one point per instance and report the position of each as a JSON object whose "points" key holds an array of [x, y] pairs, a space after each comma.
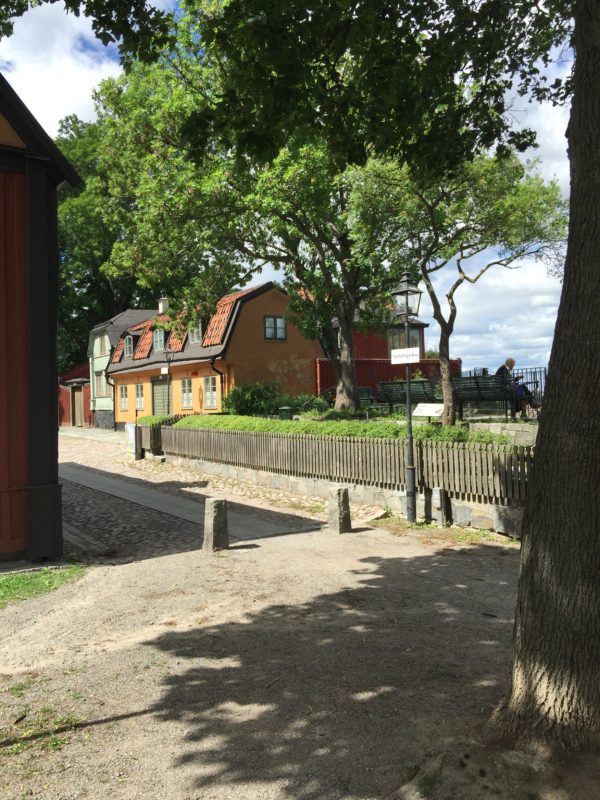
{"points": [[342, 697]]}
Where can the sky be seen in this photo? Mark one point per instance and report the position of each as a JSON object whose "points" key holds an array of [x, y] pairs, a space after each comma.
{"points": [[54, 63]]}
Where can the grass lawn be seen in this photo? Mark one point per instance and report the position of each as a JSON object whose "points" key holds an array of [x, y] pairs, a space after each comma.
{"points": [[29, 584]]}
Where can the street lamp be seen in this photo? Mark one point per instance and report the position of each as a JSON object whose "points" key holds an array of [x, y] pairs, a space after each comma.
{"points": [[169, 355], [407, 298]]}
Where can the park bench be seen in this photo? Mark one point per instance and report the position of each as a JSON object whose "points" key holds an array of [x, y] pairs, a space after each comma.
{"points": [[482, 388], [421, 391]]}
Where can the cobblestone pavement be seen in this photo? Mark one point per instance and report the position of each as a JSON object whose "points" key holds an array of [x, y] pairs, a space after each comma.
{"points": [[102, 528]]}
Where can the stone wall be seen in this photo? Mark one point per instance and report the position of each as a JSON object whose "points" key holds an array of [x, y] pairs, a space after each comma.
{"points": [[467, 513]]}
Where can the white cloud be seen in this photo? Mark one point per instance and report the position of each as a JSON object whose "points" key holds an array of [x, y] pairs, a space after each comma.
{"points": [[54, 62]]}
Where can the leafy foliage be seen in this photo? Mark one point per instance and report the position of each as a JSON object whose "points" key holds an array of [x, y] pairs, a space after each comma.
{"points": [[265, 398], [381, 429]]}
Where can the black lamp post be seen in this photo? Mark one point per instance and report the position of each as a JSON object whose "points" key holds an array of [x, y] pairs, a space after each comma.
{"points": [[169, 355], [407, 298]]}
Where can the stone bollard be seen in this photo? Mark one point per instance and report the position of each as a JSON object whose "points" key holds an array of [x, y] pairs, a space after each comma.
{"points": [[216, 532], [339, 511], [439, 506]]}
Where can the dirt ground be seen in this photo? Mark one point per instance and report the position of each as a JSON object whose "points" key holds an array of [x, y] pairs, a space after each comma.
{"points": [[305, 666]]}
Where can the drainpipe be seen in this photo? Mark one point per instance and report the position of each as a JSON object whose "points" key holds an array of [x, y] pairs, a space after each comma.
{"points": [[108, 383]]}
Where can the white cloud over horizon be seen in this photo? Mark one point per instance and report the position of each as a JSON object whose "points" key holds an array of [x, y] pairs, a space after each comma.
{"points": [[54, 63]]}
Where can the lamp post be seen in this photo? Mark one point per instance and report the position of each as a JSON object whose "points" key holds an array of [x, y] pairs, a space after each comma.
{"points": [[407, 298], [169, 354]]}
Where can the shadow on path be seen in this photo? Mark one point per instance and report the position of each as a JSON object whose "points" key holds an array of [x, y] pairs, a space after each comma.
{"points": [[342, 697]]}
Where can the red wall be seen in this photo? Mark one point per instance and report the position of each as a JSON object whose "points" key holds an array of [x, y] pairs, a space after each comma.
{"points": [[64, 405], [14, 388], [369, 371]]}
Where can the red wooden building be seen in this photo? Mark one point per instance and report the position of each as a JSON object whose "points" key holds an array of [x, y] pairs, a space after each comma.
{"points": [[74, 397], [31, 169], [373, 361]]}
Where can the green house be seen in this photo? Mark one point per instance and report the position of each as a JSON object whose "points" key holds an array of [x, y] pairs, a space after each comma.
{"points": [[102, 342]]}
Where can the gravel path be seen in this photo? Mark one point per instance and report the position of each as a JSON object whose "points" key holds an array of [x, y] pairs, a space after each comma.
{"points": [[307, 667]]}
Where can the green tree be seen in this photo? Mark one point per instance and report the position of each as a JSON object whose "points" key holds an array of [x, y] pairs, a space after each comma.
{"points": [[87, 294], [490, 212]]}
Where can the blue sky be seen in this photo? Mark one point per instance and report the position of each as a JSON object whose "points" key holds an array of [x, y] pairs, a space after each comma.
{"points": [[54, 62]]}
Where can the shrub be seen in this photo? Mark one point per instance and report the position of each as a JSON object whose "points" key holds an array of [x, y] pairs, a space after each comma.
{"points": [[152, 420], [248, 399], [381, 429], [252, 398]]}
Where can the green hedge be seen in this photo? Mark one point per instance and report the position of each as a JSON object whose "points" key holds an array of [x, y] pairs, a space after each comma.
{"points": [[150, 420], [248, 399], [381, 429]]}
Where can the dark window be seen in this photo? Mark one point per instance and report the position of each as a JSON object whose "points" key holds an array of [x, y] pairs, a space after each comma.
{"points": [[275, 328]]}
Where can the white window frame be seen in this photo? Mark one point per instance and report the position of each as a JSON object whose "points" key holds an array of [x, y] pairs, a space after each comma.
{"points": [[101, 375], [158, 340], [139, 396], [195, 334], [187, 401], [102, 345], [277, 326], [123, 398], [128, 349], [210, 392]]}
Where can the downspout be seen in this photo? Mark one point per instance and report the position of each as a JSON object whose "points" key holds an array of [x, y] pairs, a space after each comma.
{"points": [[108, 383]]}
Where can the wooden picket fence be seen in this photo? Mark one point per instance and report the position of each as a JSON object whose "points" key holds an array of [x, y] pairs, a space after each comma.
{"points": [[489, 473]]}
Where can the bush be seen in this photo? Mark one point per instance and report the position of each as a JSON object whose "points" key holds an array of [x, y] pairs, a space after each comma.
{"points": [[248, 399], [252, 398], [152, 420], [381, 429]]}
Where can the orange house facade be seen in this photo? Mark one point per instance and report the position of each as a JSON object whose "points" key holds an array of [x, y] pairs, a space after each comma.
{"points": [[248, 339]]}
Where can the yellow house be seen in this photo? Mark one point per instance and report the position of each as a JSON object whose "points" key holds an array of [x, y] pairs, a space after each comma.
{"points": [[248, 339]]}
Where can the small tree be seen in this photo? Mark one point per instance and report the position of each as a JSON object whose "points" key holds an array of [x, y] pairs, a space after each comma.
{"points": [[491, 212]]}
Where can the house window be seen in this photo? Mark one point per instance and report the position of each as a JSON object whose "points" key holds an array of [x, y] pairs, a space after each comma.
{"points": [[100, 384], [123, 398], [210, 392], [159, 340], [195, 334], [102, 348], [186, 393], [128, 346], [275, 328], [139, 396]]}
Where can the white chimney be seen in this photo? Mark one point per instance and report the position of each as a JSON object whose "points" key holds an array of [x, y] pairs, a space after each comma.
{"points": [[163, 304]]}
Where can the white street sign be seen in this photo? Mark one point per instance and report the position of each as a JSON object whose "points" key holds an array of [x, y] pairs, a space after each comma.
{"points": [[428, 410], [406, 355]]}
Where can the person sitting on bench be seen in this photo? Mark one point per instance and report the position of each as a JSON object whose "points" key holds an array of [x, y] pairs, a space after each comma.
{"points": [[520, 402]]}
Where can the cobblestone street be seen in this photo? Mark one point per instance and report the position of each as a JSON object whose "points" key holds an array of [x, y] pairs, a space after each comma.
{"points": [[100, 527]]}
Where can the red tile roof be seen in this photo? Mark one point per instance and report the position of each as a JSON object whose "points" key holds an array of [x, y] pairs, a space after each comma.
{"points": [[116, 356], [175, 343], [219, 321]]}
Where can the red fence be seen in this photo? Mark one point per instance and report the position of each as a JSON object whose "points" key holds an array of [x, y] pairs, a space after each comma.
{"points": [[369, 371]]}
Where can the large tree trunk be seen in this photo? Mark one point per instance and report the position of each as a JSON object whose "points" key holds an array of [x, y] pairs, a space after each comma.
{"points": [[554, 691], [449, 412], [346, 396]]}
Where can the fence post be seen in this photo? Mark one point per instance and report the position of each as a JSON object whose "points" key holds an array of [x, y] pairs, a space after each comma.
{"points": [[216, 530], [440, 507], [138, 450], [339, 511]]}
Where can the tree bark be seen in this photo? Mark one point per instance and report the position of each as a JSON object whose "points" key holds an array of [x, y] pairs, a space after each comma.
{"points": [[346, 395], [449, 412], [554, 691]]}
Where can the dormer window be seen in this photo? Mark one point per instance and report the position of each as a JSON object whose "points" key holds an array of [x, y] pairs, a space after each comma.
{"points": [[195, 334], [159, 340], [128, 346]]}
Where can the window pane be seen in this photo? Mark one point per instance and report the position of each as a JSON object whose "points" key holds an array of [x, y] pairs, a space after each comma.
{"points": [[159, 340]]}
